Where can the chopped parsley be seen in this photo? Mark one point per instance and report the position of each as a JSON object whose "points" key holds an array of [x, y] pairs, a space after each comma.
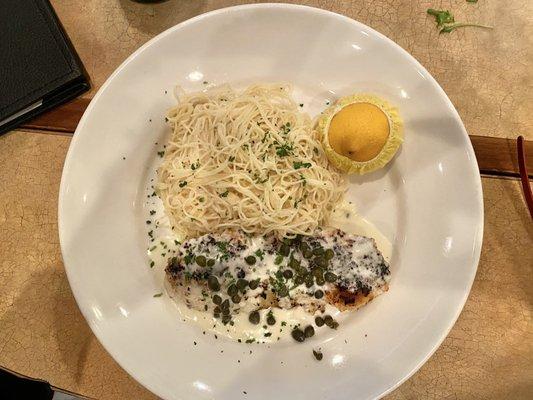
{"points": [[300, 164], [251, 340], [152, 263], [315, 150], [152, 212], [224, 194], [182, 184], [201, 199], [231, 159], [161, 153], [158, 294], [284, 149], [258, 179], [285, 128], [189, 258], [267, 133], [301, 104], [259, 253], [304, 181], [223, 248]]}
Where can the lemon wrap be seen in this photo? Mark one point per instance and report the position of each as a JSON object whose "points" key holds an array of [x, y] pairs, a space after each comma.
{"points": [[360, 133]]}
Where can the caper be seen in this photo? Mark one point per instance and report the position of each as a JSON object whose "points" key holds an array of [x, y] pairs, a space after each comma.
{"points": [[318, 272], [304, 247], [318, 251], [201, 261], [321, 261], [320, 281], [225, 311], [250, 260], [232, 290], [309, 281], [212, 283], [270, 319], [283, 292], [309, 331], [254, 284], [210, 262], [328, 319], [299, 280], [329, 254], [225, 305], [236, 298], [217, 299], [217, 310], [334, 325], [241, 284], [307, 253], [330, 277], [284, 250], [226, 319], [294, 263], [254, 317], [287, 274], [298, 335], [319, 294], [319, 321], [300, 270]]}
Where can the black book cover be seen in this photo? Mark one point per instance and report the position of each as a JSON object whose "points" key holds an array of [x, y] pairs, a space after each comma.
{"points": [[39, 68]]}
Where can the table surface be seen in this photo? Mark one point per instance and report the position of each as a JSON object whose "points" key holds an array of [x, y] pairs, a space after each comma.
{"points": [[488, 76]]}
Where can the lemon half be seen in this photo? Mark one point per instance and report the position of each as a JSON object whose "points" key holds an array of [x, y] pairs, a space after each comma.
{"points": [[360, 133]]}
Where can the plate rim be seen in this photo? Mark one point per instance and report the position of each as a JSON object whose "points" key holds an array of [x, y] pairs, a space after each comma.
{"points": [[478, 240]]}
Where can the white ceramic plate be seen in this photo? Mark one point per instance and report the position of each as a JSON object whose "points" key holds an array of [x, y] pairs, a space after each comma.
{"points": [[428, 202]]}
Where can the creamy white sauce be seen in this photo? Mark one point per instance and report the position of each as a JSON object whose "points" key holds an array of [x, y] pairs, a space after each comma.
{"points": [[243, 329]]}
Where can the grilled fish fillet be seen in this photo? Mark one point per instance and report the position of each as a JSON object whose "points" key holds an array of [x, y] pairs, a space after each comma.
{"points": [[333, 267]]}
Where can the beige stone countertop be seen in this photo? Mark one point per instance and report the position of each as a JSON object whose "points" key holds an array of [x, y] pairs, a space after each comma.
{"points": [[487, 355]]}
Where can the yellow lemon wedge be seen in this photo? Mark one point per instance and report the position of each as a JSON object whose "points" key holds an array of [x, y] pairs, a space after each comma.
{"points": [[360, 133]]}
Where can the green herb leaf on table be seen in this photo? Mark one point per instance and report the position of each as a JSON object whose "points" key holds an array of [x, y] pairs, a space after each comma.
{"points": [[441, 16]]}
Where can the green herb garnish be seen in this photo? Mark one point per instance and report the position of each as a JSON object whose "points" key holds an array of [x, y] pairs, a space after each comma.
{"points": [[441, 16], [231, 159], [158, 294], [224, 194], [446, 22], [160, 153], [189, 258], [284, 150], [300, 164], [285, 129], [259, 253]]}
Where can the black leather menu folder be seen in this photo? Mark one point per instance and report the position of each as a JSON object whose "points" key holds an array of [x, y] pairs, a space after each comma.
{"points": [[39, 68]]}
